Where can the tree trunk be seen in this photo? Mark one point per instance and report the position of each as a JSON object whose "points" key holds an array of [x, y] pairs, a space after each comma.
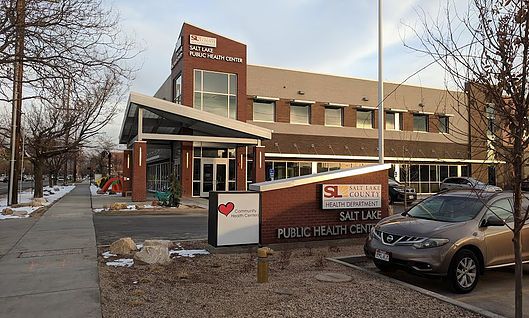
{"points": [[38, 166], [518, 275]]}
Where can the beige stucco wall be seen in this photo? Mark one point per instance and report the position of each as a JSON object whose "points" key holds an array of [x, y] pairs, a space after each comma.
{"points": [[282, 83]]}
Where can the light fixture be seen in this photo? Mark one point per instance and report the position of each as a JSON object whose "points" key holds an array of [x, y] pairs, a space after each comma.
{"points": [[365, 98], [301, 92]]}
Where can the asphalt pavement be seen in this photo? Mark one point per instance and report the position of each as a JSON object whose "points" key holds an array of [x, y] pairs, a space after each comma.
{"points": [[142, 227]]}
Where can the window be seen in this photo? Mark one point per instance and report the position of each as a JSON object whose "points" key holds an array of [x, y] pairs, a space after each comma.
{"points": [[393, 121], [420, 122], [333, 116], [177, 89], [216, 93], [443, 124], [364, 118], [502, 209], [300, 114], [264, 111]]}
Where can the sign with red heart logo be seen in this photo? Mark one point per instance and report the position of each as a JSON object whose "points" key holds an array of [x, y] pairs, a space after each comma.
{"points": [[226, 208]]}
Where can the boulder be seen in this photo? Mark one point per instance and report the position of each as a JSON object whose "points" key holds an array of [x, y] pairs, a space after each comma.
{"points": [[38, 202], [7, 211], [20, 213], [118, 206], [153, 255], [165, 243], [123, 246], [155, 203], [56, 189]]}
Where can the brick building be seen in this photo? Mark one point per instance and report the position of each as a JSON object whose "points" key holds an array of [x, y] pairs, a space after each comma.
{"points": [[220, 124]]}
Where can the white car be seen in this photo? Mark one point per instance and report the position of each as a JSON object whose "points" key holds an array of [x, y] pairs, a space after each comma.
{"points": [[459, 183]]}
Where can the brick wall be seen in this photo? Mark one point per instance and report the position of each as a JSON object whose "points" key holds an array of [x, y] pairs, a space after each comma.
{"points": [[300, 206]]}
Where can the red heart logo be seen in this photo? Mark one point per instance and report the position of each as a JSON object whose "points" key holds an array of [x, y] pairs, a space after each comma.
{"points": [[226, 208]]}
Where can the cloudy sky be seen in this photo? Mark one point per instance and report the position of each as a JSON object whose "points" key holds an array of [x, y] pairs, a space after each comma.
{"points": [[334, 37]]}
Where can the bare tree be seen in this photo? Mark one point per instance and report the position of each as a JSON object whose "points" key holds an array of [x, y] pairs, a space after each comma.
{"points": [[484, 50], [65, 44], [49, 121]]}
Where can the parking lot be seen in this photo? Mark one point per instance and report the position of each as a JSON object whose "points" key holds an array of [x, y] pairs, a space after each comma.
{"points": [[494, 292]]}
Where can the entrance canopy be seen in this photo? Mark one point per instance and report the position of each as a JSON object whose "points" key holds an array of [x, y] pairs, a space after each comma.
{"points": [[150, 118]]}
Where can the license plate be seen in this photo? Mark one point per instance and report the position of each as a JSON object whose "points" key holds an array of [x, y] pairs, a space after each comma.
{"points": [[410, 197], [382, 255]]}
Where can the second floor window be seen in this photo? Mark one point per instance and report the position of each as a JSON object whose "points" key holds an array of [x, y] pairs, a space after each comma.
{"points": [[300, 114], [177, 89], [365, 118], [393, 121], [264, 110], [420, 122], [444, 124], [216, 93], [333, 116]]}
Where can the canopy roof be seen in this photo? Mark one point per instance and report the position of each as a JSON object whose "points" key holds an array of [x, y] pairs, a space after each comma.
{"points": [[163, 120]]}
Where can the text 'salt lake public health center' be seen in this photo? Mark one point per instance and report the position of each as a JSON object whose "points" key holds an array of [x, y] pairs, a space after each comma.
{"points": [[220, 124]]}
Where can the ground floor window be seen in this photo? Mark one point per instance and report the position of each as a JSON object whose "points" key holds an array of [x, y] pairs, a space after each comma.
{"points": [[158, 176], [426, 178]]}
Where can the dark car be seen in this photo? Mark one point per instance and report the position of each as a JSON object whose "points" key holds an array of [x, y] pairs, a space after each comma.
{"points": [[397, 192]]}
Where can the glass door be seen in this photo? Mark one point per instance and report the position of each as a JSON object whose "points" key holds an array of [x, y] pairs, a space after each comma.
{"points": [[214, 175]]}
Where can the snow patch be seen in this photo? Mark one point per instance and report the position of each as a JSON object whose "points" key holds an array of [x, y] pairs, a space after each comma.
{"points": [[188, 253], [51, 194], [121, 262], [107, 254]]}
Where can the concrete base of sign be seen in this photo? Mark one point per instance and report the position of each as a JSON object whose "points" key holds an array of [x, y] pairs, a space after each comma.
{"points": [[333, 277]]}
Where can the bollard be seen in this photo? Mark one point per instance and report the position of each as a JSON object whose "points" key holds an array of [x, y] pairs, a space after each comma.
{"points": [[262, 264]]}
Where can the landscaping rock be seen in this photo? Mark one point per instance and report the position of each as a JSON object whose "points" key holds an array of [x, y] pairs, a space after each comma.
{"points": [[165, 243], [20, 213], [7, 211], [123, 246], [155, 203], [153, 255], [38, 202], [118, 206]]}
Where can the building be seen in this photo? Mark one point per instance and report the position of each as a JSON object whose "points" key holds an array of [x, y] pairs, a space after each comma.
{"points": [[219, 124]]}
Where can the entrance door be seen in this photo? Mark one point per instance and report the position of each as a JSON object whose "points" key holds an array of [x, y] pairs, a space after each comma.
{"points": [[214, 175]]}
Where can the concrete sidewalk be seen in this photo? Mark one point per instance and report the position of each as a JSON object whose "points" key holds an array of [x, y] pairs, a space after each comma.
{"points": [[48, 268]]}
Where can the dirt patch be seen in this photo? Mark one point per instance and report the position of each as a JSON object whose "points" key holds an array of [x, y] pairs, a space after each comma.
{"points": [[155, 211], [224, 285], [39, 212]]}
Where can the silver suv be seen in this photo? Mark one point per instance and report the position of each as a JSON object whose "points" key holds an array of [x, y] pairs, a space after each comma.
{"points": [[456, 234], [454, 183]]}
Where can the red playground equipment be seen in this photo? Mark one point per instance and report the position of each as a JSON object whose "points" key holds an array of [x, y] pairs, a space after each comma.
{"points": [[115, 182]]}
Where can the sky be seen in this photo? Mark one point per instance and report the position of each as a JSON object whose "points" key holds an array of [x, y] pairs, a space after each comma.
{"points": [[336, 37]]}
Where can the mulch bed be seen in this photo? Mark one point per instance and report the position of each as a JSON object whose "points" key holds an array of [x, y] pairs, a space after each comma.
{"points": [[224, 285]]}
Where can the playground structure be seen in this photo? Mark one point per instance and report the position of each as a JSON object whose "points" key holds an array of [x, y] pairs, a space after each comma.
{"points": [[115, 183]]}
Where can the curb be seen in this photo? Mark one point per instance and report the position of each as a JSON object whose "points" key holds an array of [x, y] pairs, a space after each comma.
{"points": [[446, 299]]}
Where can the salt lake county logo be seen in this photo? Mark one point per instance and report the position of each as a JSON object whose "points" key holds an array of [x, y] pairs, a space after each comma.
{"points": [[226, 209]]}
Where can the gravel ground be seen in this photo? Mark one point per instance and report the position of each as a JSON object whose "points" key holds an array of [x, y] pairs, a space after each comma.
{"points": [[224, 285]]}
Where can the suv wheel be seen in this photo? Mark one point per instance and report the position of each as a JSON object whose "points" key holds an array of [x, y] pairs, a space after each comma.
{"points": [[384, 266], [463, 274]]}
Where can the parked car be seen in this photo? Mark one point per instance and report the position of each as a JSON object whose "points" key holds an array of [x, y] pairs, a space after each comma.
{"points": [[525, 184], [4, 178], [397, 192], [453, 183], [456, 234]]}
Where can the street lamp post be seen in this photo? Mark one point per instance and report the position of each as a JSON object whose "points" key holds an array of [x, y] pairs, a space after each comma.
{"points": [[380, 88]]}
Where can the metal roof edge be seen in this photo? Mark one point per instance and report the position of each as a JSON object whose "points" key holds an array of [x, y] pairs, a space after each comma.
{"points": [[318, 177]]}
